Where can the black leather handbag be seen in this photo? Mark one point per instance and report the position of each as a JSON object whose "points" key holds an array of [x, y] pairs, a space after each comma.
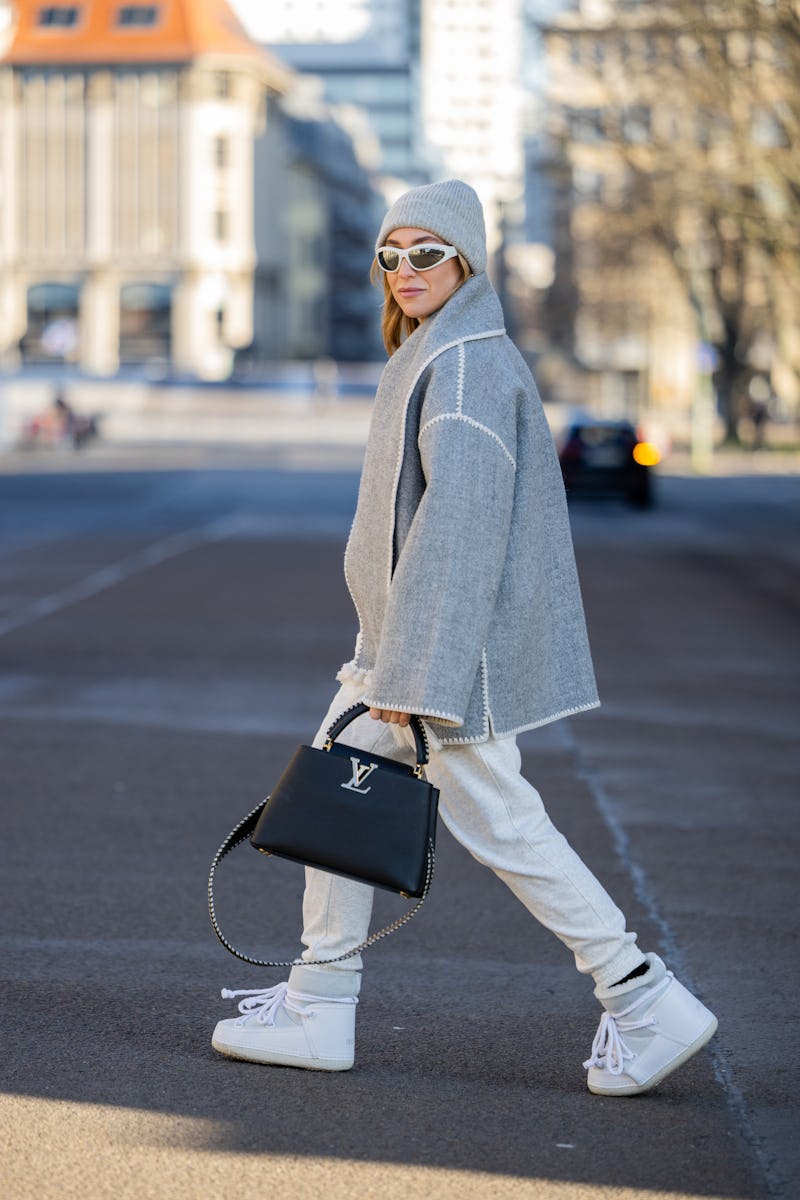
{"points": [[350, 813]]}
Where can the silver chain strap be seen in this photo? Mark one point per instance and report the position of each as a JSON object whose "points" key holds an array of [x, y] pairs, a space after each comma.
{"points": [[232, 841], [241, 832]]}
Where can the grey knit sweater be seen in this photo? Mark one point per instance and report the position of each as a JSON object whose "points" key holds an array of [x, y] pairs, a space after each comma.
{"points": [[460, 559]]}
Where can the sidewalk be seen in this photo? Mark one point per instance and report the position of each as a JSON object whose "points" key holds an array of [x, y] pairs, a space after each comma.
{"points": [[151, 425]]}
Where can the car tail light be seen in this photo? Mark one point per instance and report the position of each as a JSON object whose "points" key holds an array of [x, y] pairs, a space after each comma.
{"points": [[646, 454], [573, 449]]}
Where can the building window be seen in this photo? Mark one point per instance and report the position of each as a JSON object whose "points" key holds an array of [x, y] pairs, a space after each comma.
{"points": [[222, 84], [221, 150], [636, 123], [137, 16], [586, 125], [221, 225], [145, 322], [58, 16], [767, 130], [53, 326], [588, 184]]}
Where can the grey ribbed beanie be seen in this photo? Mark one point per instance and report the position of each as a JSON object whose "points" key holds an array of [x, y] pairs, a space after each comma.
{"points": [[451, 210]]}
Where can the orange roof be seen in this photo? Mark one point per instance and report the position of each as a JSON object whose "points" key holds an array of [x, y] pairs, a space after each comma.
{"points": [[183, 30]]}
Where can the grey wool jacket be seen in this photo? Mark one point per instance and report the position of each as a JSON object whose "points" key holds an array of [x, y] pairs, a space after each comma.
{"points": [[460, 560]]}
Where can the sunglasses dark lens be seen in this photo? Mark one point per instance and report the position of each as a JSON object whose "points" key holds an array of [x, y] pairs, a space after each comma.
{"points": [[389, 260], [424, 257]]}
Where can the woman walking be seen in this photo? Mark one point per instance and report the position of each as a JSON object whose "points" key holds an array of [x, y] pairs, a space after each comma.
{"points": [[461, 568]]}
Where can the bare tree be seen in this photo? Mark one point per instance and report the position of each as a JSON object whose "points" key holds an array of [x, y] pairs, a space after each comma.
{"points": [[697, 107]]}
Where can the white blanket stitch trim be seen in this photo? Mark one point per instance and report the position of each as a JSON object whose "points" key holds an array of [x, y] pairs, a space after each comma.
{"points": [[472, 337], [349, 672], [460, 389], [498, 733], [488, 719], [458, 416], [399, 706], [360, 634]]}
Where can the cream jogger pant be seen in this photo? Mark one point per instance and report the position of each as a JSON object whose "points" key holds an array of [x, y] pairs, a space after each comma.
{"points": [[500, 819]]}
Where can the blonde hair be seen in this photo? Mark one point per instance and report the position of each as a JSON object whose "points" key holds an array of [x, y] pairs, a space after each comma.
{"points": [[395, 325]]}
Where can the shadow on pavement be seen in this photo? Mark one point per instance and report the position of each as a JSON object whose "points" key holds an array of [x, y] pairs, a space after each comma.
{"points": [[131, 743]]}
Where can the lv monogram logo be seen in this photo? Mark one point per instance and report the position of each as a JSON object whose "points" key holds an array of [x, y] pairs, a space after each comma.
{"points": [[360, 774]]}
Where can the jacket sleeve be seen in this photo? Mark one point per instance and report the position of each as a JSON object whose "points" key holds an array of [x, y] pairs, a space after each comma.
{"points": [[448, 573]]}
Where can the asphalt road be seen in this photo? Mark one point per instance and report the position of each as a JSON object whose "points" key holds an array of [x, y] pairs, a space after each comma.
{"points": [[166, 638]]}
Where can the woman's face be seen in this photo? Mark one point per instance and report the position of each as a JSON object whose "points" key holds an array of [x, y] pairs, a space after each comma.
{"points": [[420, 293]]}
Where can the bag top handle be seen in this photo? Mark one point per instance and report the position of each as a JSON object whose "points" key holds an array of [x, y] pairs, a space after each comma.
{"points": [[358, 710]]}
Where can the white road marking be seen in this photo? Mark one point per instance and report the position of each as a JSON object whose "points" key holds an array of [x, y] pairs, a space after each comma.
{"points": [[646, 895], [108, 577]]}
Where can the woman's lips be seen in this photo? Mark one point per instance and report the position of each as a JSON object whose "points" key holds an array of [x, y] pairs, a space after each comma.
{"points": [[410, 291]]}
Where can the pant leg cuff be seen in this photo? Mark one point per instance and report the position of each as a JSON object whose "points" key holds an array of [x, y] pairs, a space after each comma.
{"points": [[628, 959], [325, 981]]}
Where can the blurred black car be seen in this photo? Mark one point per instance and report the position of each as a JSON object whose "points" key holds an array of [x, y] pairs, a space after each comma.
{"points": [[607, 458]]}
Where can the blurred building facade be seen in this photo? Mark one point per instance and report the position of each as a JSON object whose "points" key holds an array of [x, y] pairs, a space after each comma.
{"points": [[366, 54], [472, 98], [439, 81], [314, 171], [151, 210], [599, 311], [670, 151]]}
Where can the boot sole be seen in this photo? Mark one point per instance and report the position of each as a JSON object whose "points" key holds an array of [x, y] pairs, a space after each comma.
{"points": [[282, 1060], [636, 1089]]}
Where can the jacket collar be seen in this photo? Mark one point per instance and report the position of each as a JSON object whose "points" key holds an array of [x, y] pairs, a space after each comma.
{"points": [[473, 311]]}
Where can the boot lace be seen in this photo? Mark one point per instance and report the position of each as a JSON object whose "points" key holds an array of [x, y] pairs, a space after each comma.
{"points": [[265, 1003], [609, 1050]]}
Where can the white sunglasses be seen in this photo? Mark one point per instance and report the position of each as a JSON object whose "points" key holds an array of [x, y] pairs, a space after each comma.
{"points": [[420, 258]]}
